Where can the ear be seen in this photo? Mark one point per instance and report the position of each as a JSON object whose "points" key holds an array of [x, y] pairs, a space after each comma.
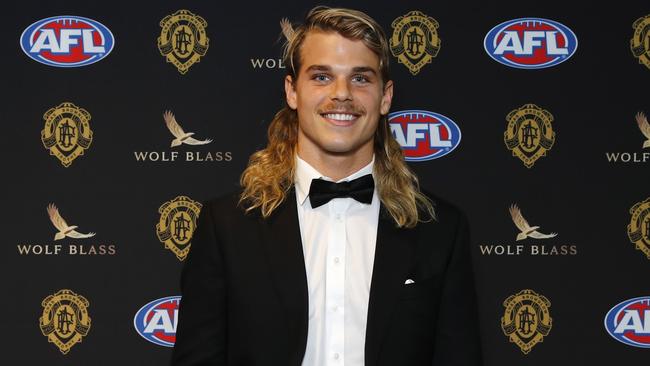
{"points": [[290, 91], [387, 98]]}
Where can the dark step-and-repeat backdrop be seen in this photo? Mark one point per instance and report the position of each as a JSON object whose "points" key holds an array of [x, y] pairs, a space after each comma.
{"points": [[531, 116]]}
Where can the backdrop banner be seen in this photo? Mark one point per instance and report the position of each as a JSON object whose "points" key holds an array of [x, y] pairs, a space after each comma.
{"points": [[121, 118]]}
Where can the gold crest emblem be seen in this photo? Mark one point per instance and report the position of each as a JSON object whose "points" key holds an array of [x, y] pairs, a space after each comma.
{"points": [[65, 319], [67, 132], [641, 40], [183, 40], [638, 230], [415, 40], [526, 320], [529, 134], [177, 224]]}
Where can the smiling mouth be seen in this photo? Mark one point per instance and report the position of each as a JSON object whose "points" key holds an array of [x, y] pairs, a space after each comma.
{"points": [[340, 119]]}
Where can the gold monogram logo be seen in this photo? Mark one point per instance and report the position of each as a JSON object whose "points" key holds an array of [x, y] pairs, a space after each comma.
{"points": [[177, 224], [529, 134], [641, 39], [638, 230], [65, 319], [415, 40], [183, 40], [526, 320], [67, 132]]}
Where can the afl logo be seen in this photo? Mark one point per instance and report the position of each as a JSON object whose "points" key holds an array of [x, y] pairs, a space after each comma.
{"points": [[424, 135], [157, 321], [530, 43], [67, 41], [629, 322]]}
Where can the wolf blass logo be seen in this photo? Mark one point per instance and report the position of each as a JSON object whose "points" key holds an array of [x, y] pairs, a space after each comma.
{"points": [[527, 231], [635, 156], [181, 137], [64, 230], [267, 63]]}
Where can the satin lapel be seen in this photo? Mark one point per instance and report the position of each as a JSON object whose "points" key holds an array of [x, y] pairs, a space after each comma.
{"points": [[283, 246], [393, 258]]}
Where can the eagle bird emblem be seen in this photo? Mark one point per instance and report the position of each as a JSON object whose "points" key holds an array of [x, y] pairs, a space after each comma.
{"points": [[644, 126], [524, 227], [181, 137], [64, 229]]}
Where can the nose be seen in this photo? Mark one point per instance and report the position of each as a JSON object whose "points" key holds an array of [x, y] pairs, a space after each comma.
{"points": [[341, 90]]}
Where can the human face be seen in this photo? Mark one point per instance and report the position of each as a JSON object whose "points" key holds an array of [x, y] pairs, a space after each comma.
{"points": [[339, 96]]}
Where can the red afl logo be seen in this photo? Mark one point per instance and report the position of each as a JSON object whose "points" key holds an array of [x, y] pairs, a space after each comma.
{"points": [[67, 41], [424, 135]]}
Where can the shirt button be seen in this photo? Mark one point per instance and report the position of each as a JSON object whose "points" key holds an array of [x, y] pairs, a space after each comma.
{"points": [[336, 259], [336, 356], [338, 217], [335, 308]]}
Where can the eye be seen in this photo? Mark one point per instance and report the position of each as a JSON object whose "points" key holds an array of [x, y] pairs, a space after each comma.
{"points": [[320, 77], [360, 79]]}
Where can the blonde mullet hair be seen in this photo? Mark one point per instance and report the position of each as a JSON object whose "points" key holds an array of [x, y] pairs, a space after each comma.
{"points": [[270, 173]]}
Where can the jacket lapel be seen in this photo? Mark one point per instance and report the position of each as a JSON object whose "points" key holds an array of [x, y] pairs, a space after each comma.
{"points": [[393, 259], [283, 246]]}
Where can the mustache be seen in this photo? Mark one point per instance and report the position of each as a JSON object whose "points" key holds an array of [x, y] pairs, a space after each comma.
{"points": [[342, 107]]}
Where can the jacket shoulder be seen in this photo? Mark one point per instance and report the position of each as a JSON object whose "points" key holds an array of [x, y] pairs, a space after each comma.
{"points": [[225, 209], [447, 213], [228, 201]]}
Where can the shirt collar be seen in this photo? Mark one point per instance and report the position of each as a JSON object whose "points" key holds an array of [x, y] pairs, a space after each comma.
{"points": [[305, 173]]}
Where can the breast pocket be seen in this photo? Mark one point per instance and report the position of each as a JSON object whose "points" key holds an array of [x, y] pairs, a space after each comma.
{"points": [[418, 289]]}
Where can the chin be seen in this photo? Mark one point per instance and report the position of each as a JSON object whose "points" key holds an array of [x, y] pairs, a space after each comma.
{"points": [[337, 150], [341, 148]]}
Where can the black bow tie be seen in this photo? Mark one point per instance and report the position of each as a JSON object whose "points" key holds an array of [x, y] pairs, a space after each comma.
{"points": [[322, 191]]}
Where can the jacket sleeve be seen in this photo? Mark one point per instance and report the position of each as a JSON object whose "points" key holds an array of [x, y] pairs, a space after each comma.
{"points": [[201, 331], [457, 338]]}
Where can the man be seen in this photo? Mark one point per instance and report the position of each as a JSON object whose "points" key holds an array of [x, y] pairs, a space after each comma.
{"points": [[299, 270]]}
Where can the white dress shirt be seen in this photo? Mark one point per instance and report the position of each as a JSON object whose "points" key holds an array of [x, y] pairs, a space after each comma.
{"points": [[338, 240]]}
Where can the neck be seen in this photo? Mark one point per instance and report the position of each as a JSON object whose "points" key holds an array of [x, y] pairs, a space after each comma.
{"points": [[336, 166]]}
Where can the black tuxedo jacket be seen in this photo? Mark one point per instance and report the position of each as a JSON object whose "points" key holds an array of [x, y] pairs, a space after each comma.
{"points": [[245, 299]]}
